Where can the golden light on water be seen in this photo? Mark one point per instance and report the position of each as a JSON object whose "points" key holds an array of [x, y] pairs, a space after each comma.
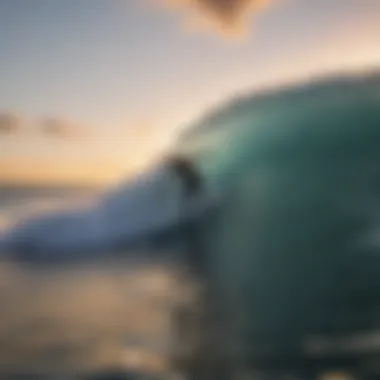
{"points": [[85, 318]]}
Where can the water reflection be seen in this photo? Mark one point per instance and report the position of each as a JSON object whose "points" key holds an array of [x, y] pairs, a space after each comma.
{"points": [[103, 315]]}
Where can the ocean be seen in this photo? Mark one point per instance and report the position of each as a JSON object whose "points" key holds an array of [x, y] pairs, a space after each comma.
{"points": [[89, 317]]}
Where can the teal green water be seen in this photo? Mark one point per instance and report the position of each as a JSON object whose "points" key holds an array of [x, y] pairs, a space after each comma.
{"points": [[299, 174]]}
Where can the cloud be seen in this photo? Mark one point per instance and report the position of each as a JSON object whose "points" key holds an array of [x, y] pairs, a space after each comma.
{"points": [[57, 127], [61, 128], [9, 123], [226, 16]]}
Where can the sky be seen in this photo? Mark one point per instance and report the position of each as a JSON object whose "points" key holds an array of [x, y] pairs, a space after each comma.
{"points": [[91, 89]]}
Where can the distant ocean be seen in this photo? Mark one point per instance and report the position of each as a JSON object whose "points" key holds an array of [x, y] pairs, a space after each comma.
{"points": [[92, 317], [17, 202]]}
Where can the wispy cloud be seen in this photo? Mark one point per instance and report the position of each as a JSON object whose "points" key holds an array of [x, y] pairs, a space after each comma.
{"points": [[9, 122], [12, 123], [61, 128], [228, 17]]}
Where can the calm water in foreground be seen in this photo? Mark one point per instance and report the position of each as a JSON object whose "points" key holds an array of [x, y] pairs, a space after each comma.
{"points": [[92, 316]]}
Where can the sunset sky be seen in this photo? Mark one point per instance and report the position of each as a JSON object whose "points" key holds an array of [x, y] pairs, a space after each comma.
{"points": [[89, 88]]}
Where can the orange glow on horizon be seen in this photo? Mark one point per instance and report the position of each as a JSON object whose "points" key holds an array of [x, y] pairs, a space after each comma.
{"points": [[39, 171]]}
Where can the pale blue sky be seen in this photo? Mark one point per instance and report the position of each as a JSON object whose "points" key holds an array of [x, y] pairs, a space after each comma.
{"points": [[112, 64]]}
